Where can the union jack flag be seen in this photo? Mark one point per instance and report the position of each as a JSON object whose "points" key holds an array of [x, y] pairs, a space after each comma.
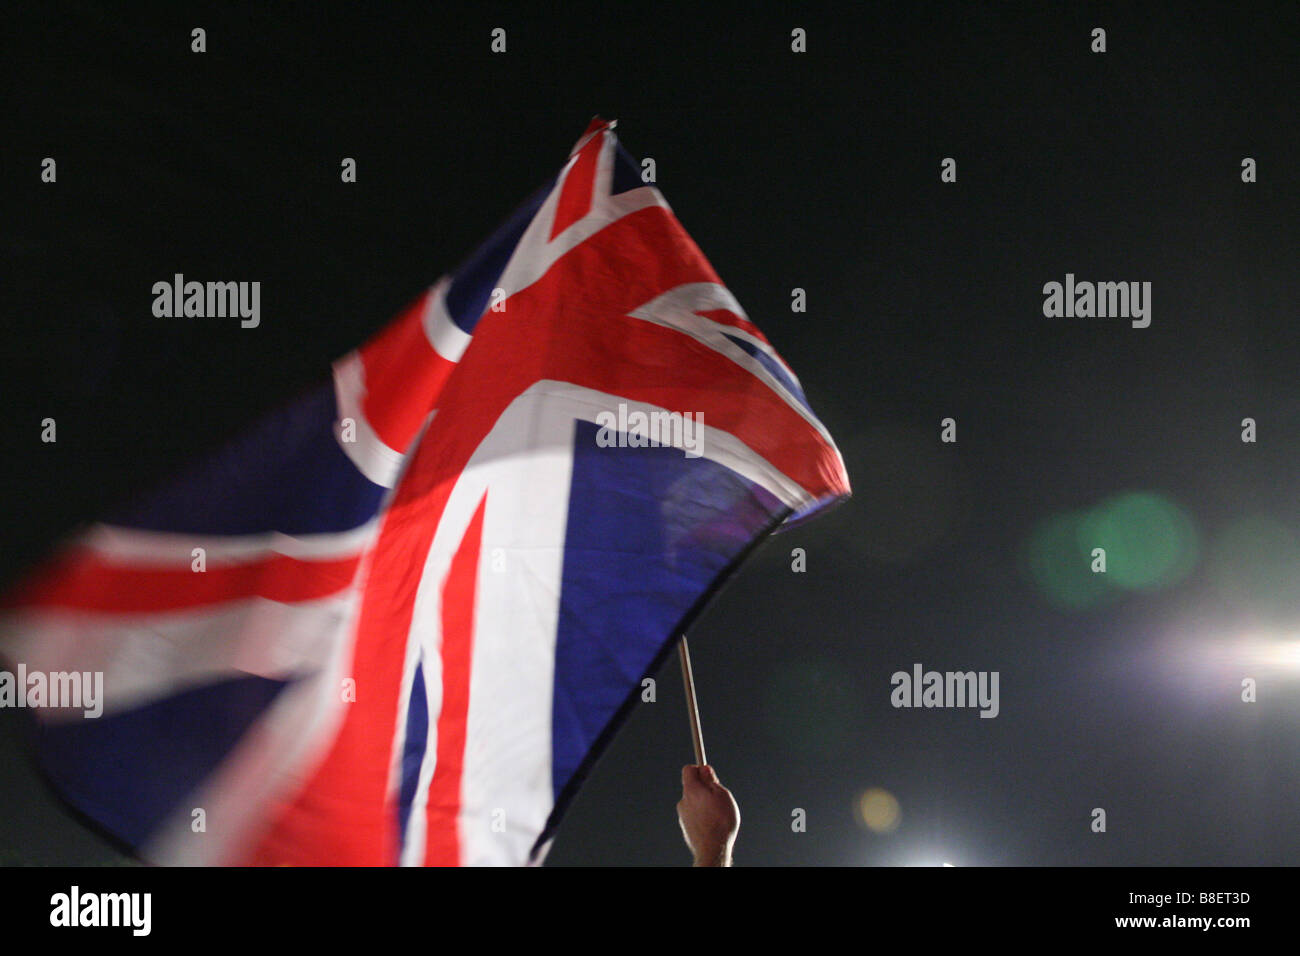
{"points": [[398, 620]]}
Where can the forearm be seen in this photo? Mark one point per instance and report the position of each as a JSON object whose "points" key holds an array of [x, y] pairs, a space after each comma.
{"points": [[714, 857]]}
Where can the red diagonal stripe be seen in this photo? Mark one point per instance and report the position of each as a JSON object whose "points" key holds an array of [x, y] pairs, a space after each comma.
{"points": [[403, 377], [82, 580], [442, 847], [727, 317], [575, 195]]}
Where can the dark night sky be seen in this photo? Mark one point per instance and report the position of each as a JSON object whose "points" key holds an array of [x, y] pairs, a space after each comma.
{"points": [[818, 171]]}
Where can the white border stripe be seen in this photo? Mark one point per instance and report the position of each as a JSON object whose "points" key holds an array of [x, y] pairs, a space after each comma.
{"points": [[525, 466], [146, 657], [132, 546], [372, 457], [271, 762], [676, 309], [536, 252], [444, 335]]}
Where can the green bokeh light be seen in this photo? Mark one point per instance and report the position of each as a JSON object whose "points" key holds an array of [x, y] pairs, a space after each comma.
{"points": [[1061, 566], [1150, 543]]}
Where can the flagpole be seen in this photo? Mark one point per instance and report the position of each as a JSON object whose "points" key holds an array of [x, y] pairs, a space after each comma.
{"points": [[692, 706]]}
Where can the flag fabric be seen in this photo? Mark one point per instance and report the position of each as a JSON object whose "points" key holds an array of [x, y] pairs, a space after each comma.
{"points": [[397, 621]]}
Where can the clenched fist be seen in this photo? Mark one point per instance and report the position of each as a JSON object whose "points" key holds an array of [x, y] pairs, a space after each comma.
{"points": [[708, 815]]}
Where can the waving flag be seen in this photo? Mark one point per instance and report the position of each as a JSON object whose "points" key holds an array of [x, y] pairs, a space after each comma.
{"points": [[398, 621]]}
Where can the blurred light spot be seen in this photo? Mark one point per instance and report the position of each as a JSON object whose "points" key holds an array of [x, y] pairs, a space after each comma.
{"points": [[1204, 665], [1150, 542], [1062, 567], [878, 810], [1271, 654]]}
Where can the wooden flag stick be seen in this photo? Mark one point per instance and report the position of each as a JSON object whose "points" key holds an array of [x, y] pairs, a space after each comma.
{"points": [[692, 707]]}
